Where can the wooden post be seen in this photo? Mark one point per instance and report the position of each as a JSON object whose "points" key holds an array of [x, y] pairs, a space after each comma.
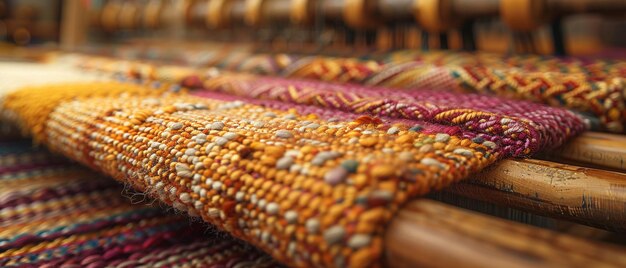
{"points": [[74, 23]]}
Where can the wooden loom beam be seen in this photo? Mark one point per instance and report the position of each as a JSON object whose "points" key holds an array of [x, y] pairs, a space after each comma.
{"points": [[584, 195], [427, 233], [594, 148]]}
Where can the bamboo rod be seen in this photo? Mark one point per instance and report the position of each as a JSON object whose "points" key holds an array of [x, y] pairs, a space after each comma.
{"points": [[599, 149], [584, 195], [427, 233]]}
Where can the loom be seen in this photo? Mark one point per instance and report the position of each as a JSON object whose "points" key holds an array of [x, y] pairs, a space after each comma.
{"points": [[537, 211]]}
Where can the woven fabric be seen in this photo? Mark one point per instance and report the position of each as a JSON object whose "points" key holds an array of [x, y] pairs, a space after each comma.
{"points": [[475, 113], [281, 166], [56, 214], [593, 87], [518, 131]]}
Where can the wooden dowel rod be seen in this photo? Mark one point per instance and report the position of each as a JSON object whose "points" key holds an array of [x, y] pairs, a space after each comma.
{"points": [[217, 14], [128, 18], [473, 9], [109, 14], [442, 15], [73, 24], [435, 15], [438, 15], [567, 7], [395, 10], [527, 15], [225, 13], [600, 149], [276, 10], [152, 14], [196, 13], [333, 9], [303, 12], [427, 233], [584, 195], [238, 12]]}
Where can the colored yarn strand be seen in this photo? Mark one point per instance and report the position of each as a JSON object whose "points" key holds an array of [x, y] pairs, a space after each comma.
{"points": [[73, 217]]}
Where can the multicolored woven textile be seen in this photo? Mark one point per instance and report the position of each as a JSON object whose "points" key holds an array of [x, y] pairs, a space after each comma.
{"points": [[596, 88], [376, 101], [54, 213], [506, 122], [293, 168]]}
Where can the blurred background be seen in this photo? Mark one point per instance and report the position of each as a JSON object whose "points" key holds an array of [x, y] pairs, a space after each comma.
{"points": [[580, 27]]}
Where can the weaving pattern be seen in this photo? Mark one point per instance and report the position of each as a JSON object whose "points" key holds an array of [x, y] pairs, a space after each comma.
{"points": [[56, 214], [595, 88], [594, 68], [509, 122], [439, 107], [310, 185]]}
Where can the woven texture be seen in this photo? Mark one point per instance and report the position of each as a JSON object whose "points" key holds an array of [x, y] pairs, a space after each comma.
{"points": [[56, 214], [307, 172], [509, 121], [517, 131], [596, 88]]}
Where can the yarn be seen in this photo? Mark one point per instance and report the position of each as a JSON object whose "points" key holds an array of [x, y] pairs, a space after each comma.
{"points": [[54, 213]]}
